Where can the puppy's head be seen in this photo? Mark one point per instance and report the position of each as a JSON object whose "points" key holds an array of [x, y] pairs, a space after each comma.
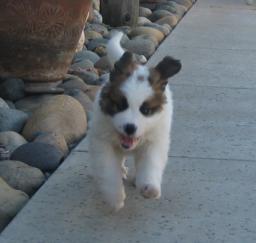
{"points": [[135, 96]]}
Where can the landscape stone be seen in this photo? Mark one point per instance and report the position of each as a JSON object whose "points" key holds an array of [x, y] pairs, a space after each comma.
{"points": [[12, 120], [11, 201], [55, 139], [96, 4], [86, 76], [93, 44], [92, 91], [104, 64], [171, 20], [62, 114], [174, 8], [30, 103], [142, 30], [3, 104], [83, 99], [97, 17], [97, 27], [141, 45], [143, 21], [85, 64], [165, 28], [74, 84], [11, 140], [158, 14], [91, 35], [10, 104], [144, 12], [101, 50], [21, 176], [12, 89], [186, 3], [43, 156], [84, 55]]}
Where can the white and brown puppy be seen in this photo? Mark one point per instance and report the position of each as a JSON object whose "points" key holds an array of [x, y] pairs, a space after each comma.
{"points": [[132, 115]]}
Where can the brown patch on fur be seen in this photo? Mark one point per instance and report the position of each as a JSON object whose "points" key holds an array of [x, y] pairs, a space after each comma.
{"points": [[156, 102], [158, 80], [112, 99]]}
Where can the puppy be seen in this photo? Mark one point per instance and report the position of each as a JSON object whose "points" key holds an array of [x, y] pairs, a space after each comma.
{"points": [[132, 115]]}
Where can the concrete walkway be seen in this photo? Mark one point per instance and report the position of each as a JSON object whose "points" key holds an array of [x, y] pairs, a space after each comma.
{"points": [[209, 191]]}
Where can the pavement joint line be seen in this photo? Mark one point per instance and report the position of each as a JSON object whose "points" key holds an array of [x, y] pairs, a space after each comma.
{"points": [[212, 48], [205, 158], [192, 157], [213, 86], [80, 151]]}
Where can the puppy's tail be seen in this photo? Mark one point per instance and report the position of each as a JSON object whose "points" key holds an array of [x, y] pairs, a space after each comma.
{"points": [[114, 48]]}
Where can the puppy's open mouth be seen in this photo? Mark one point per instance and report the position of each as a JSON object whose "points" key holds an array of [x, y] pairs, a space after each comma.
{"points": [[128, 142]]}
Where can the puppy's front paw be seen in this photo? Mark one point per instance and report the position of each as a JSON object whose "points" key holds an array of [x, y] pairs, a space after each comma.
{"points": [[116, 202], [150, 191]]}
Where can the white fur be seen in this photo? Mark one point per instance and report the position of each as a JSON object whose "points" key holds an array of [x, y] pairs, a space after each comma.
{"points": [[150, 154], [114, 49]]}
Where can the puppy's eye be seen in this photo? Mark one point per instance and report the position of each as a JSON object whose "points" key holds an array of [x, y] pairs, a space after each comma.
{"points": [[121, 104], [146, 111]]}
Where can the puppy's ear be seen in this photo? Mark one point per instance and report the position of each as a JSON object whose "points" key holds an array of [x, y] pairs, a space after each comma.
{"points": [[168, 67], [165, 69], [126, 63], [123, 68]]}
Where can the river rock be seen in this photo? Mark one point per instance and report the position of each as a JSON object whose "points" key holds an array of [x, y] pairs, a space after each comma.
{"points": [[91, 35], [144, 12], [92, 91], [165, 28], [158, 14], [104, 64], [84, 55], [62, 114], [43, 156], [171, 20], [97, 27], [87, 76], [83, 99], [174, 8], [30, 103], [143, 21], [10, 104], [55, 139], [12, 89], [11, 140], [12, 120], [141, 45], [97, 17], [186, 3], [158, 35], [84, 64], [75, 83], [3, 104], [21, 176], [93, 44], [11, 201]]}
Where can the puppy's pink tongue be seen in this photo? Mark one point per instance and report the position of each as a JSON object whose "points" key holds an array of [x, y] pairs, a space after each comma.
{"points": [[127, 142]]}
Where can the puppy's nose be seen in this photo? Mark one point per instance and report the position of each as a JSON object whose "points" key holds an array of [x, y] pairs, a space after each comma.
{"points": [[130, 129]]}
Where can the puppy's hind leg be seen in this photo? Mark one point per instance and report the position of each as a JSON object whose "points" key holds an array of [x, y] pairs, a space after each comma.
{"points": [[107, 170]]}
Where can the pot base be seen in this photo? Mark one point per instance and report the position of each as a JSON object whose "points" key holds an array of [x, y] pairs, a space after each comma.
{"points": [[43, 88]]}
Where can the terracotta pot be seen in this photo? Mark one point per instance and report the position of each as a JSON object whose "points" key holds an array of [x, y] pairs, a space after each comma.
{"points": [[38, 39]]}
